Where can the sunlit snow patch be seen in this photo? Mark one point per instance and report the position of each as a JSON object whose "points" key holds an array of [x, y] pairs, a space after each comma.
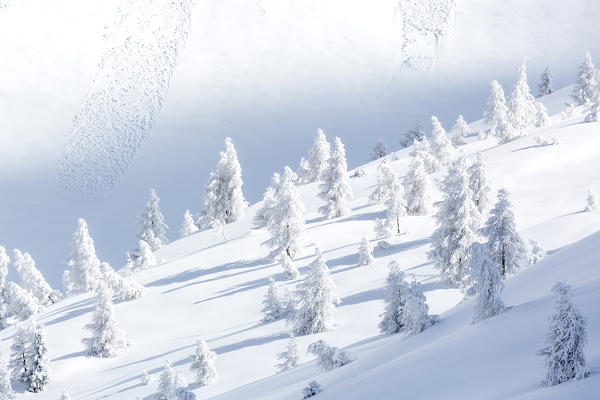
{"points": [[126, 93]]}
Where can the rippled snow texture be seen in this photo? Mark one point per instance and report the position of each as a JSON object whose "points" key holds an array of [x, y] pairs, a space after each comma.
{"points": [[126, 93]]}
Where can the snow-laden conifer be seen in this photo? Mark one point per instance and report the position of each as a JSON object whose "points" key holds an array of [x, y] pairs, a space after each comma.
{"points": [[365, 252], [32, 279], [395, 205], [593, 107], [203, 364], [504, 131], [39, 361], [459, 131], [457, 221], [303, 172], [290, 356], [223, 197], [487, 282], [107, 340], [169, 383], [335, 187], [541, 115], [264, 213], [496, 107], [329, 357], [290, 272], [286, 223], [6, 390], [381, 185], [381, 229], [479, 184], [146, 378], [422, 150], [317, 298], [379, 151], [125, 288], [521, 105], [4, 299], [417, 188], [20, 360], [546, 85], [84, 274], [415, 134], [154, 229], [566, 338], [188, 226], [318, 156], [274, 303], [441, 146], [591, 202], [22, 304], [144, 257], [588, 79], [535, 252], [415, 311], [395, 287], [506, 248]]}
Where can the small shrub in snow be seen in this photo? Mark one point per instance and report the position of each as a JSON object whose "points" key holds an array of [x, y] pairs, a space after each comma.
{"points": [[365, 252], [383, 245], [540, 141], [563, 353], [290, 272], [459, 131], [289, 358], [144, 257], [146, 378], [395, 286], [591, 202], [358, 172], [153, 224], [84, 274], [335, 188], [535, 252], [415, 313], [170, 384], [64, 395], [188, 226], [441, 146], [541, 116], [311, 390], [546, 85], [274, 304], [521, 105], [329, 357], [379, 151], [303, 172], [481, 135], [415, 134], [417, 188], [568, 112], [587, 82], [487, 282], [318, 156], [203, 364]]}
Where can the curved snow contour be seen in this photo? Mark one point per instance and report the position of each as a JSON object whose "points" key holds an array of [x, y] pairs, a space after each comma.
{"points": [[126, 93]]}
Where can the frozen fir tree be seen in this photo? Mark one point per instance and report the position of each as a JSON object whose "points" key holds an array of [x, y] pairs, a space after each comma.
{"points": [[6, 390], [422, 150], [317, 299], [188, 226], [318, 156], [107, 340], [22, 303], [487, 282], [223, 197], [395, 287], [335, 187], [329, 357], [32, 279], [521, 105], [169, 383], [20, 360], [39, 361], [566, 338], [381, 229], [303, 172], [286, 223], [64, 395], [441, 146], [4, 299], [290, 356], [290, 272], [535, 252], [84, 274], [458, 221], [546, 85], [379, 151], [541, 115], [144, 257], [417, 188], [459, 131], [125, 288], [365, 252], [479, 184], [203, 364], [504, 131], [263, 214], [274, 303], [506, 248], [587, 82], [415, 316], [496, 107], [154, 229], [593, 107], [311, 390], [381, 185], [591, 202], [414, 134], [395, 205]]}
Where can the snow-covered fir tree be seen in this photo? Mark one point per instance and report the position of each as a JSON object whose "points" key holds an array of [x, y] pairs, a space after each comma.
{"points": [[441, 146], [479, 184], [169, 383], [521, 105], [541, 115], [457, 223], [593, 107], [286, 223], [379, 151], [84, 274], [263, 214], [414, 134], [64, 395], [223, 197], [591, 202], [422, 150], [415, 316], [329, 357], [504, 131], [459, 131], [395, 287], [125, 288], [365, 252], [144, 257], [107, 340], [588, 79], [274, 303], [146, 377], [317, 298], [496, 107], [32, 279], [20, 361], [4, 299], [395, 205], [154, 229], [290, 356], [381, 185], [318, 156], [417, 188], [546, 85], [566, 338], [39, 361], [303, 172], [335, 187], [22, 303], [290, 272], [506, 248], [6, 390], [381, 229], [203, 364], [188, 226], [487, 282]]}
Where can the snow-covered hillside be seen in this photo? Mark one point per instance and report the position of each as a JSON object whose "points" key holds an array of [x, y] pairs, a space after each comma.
{"points": [[213, 290]]}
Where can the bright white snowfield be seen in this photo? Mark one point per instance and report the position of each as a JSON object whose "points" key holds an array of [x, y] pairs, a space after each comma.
{"points": [[204, 288]]}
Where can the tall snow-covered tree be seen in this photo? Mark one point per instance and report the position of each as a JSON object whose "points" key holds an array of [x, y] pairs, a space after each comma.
{"points": [[381, 185], [290, 272], [6, 390], [593, 106], [317, 300], [154, 229], [417, 188], [20, 360], [566, 338], [457, 222], [422, 150], [223, 197], [459, 131], [286, 223], [274, 303], [107, 340], [203, 364], [22, 304], [125, 288], [395, 287], [487, 282], [32, 279], [335, 187], [546, 85], [588, 80], [395, 204], [303, 172], [144, 257], [541, 115], [479, 184], [365, 252], [496, 107], [591, 202], [318, 156], [379, 151], [84, 274], [39, 361], [329, 357], [4, 299], [169, 383], [506, 248], [188, 226], [504, 130], [290, 356], [415, 134], [415, 311], [521, 105], [441, 146], [263, 214]]}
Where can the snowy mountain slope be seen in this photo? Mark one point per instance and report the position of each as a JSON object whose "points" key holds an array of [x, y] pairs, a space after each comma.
{"points": [[213, 290]]}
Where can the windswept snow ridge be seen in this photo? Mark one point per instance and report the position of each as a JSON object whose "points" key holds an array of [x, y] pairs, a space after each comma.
{"points": [[126, 93]]}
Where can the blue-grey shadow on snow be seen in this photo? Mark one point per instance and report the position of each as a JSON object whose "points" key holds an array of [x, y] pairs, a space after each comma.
{"points": [[70, 355], [367, 295], [368, 216], [250, 342]]}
